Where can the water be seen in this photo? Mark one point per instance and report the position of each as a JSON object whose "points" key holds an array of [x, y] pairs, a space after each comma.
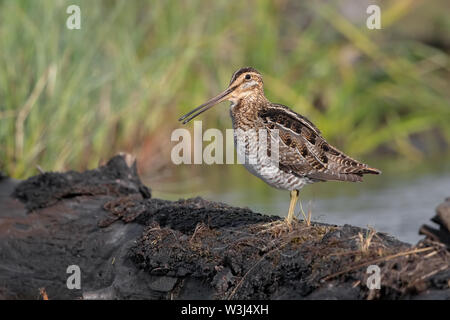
{"points": [[394, 203]]}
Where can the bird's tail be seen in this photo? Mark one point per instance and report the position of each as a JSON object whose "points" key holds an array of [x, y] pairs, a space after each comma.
{"points": [[369, 171]]}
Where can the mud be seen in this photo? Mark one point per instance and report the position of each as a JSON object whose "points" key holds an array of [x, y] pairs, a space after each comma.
{"points": [[116, 178], [131, 246]]}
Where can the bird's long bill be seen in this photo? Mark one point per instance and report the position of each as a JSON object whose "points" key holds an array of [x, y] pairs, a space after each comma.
{"points": [[207, 105]]}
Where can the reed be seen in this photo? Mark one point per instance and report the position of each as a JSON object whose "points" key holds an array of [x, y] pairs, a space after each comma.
{"points": [[69, 98]]}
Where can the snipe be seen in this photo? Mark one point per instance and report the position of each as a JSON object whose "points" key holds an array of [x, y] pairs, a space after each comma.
{"points": [[304, 156]]}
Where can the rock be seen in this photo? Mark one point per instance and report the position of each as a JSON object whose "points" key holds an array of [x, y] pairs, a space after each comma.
{"points": [[443, 215], [163, 284], [442, 218], [131, 246]]}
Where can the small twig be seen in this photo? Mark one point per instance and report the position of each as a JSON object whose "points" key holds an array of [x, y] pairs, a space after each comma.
{"points": [[432, 273], [444, 267], [346, 253], [430, 254], [364, 242], [198, 229], [245, 275], [306, 219], [375, 261], [41, 171]]}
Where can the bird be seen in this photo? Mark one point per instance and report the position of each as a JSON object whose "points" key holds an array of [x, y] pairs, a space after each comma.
{"points": [[303, 156]]}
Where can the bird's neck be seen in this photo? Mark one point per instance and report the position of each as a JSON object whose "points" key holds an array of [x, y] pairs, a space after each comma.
{"points": [[244, 112]]}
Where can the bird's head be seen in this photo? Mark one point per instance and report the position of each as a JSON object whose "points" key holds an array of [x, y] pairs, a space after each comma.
{"points": [[244, 82]]}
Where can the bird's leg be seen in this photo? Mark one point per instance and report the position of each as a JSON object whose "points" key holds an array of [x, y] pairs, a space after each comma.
{"points": [[294, 198]]}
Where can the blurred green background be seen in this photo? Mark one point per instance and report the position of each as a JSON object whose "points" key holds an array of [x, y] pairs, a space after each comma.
{"points": [[69, 98], [73, 98]]}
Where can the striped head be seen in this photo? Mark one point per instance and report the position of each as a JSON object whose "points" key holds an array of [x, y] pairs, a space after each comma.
{"points": [[244, 82]]}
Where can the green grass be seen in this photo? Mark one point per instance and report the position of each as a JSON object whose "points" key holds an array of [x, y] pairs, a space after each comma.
{"points": [[69, 98]]}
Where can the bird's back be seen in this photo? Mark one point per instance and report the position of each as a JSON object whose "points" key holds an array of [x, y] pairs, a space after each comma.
{"points": [[304, 152]]}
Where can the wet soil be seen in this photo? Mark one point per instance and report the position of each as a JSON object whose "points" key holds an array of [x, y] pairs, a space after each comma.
{"points": [[131, 246]]}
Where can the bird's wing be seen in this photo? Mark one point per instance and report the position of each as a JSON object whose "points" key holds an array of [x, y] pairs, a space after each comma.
{"points": [[304, 152]]}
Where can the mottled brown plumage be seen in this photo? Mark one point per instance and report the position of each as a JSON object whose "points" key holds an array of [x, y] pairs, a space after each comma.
{"points": [[305, 151], [304, 156]]}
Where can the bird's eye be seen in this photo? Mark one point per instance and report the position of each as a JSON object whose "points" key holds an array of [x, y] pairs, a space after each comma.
{"points": [[248, 77]]}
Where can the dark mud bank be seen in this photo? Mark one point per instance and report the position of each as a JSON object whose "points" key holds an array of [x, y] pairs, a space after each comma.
{"points": [[129, 245]]}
